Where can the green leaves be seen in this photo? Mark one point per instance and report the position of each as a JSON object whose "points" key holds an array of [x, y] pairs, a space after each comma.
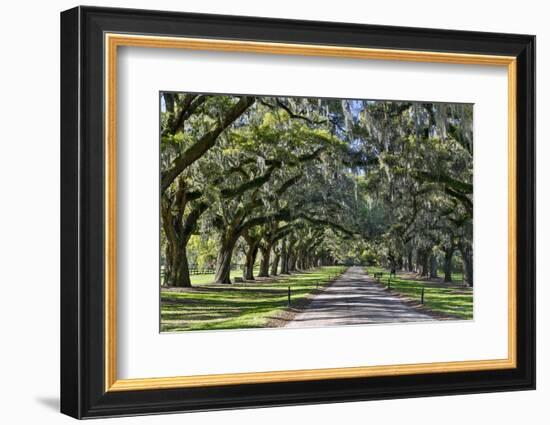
{"points": [[383, 173]]}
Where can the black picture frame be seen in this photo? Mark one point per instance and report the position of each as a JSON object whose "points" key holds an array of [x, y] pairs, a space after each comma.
{"points": [[83, 392]]}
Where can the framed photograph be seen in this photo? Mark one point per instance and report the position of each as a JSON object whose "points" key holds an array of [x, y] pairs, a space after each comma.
{"points": [[261, 212]]}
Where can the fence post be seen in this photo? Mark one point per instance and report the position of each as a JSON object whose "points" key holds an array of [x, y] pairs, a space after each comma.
{"points": [[422, 296]]}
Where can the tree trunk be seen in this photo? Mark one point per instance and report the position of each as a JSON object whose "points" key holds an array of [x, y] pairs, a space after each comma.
{"points": [[182, 278], [292, 262], [400, 262], [433, 266], [176, 271], [264, 262], [426, 265], [178, 228], [423, 263], [467, 261], [448, 266], [410, 265], [225, 254], [299, 260], [284, 259], [275, 264], [286, 264], [251, 254]]}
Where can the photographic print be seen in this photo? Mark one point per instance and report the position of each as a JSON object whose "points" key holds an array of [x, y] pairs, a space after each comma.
{"points": [[313, 212]]}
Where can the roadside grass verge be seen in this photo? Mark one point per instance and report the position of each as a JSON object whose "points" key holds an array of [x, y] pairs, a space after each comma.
{"points": [[239, 305], [451, 300]]}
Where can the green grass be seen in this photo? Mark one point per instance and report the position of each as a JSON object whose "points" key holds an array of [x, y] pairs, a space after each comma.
{"points": [[239, 305], [449, 299]]}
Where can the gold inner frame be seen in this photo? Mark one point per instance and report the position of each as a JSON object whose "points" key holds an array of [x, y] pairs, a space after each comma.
{"points": [[113, 41]]}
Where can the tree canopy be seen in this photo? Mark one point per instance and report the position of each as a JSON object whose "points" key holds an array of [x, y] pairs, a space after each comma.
{"points": [[302, 182]]}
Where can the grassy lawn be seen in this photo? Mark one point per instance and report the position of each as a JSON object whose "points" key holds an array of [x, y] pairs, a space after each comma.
{"points": [[237, 306], [451, 299]]}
